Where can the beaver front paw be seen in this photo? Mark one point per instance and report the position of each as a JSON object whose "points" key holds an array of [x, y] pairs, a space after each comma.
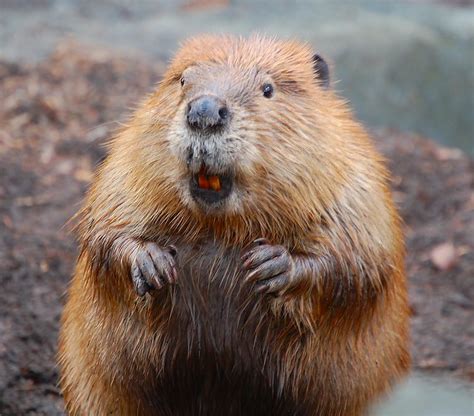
{"points": [[270, 267], [153, 267]]}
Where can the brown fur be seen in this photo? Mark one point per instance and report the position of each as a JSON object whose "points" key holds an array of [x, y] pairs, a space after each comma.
{"points": [[308, 179]]}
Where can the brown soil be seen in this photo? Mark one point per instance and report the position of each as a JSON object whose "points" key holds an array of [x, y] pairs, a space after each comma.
{"points": [[55, 117]]}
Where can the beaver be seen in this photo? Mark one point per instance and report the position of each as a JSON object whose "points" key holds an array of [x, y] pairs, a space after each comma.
{"points": [[240, 250]]}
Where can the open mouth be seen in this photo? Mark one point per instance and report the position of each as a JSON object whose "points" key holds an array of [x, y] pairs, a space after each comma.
{"points": [[210, 188]]}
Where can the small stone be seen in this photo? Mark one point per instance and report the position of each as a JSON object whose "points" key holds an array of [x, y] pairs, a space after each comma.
{"points": [[444, 256]]}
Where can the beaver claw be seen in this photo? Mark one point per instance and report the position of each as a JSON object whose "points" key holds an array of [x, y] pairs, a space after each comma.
{"points": [[269, 267], [153, 267]]}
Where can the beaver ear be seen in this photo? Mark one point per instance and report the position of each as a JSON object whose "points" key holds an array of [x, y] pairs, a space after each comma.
{"points": [[321, 70]]}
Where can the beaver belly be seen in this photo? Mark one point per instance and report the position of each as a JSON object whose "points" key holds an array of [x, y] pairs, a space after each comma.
{"points": [[227, 348]]}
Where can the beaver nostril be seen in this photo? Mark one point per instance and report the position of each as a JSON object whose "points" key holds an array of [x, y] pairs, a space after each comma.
{"points": [[206, 113], [223, 113]]}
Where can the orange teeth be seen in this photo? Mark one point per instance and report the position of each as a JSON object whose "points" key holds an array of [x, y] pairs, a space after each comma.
{"points": [[208, 182], [215, 183], [203, 183]]}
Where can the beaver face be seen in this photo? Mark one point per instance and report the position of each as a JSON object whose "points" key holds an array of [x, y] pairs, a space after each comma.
{"points": [[243, 119]]}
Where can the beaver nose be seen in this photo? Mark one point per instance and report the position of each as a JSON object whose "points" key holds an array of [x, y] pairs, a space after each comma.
{"points": [[206, 112]]}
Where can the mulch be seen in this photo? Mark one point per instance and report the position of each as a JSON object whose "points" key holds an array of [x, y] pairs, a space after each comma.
{"points": [[55, 117]]}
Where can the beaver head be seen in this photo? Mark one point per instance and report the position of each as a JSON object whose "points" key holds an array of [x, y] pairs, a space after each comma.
{"points": [[243, 111], [238, 125]]}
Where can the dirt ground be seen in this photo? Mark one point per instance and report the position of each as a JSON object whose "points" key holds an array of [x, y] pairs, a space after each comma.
{"points": [[55, 117]]}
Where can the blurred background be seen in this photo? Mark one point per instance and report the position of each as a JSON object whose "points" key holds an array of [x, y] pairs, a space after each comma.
{"points": [[71, 70]]}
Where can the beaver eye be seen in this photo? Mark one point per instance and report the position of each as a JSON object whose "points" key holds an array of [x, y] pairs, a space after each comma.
{"points": [[182, 81], [267, 90]]}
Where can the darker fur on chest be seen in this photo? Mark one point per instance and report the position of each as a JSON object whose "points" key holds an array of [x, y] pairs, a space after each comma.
{"points": [[226, 353]]}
